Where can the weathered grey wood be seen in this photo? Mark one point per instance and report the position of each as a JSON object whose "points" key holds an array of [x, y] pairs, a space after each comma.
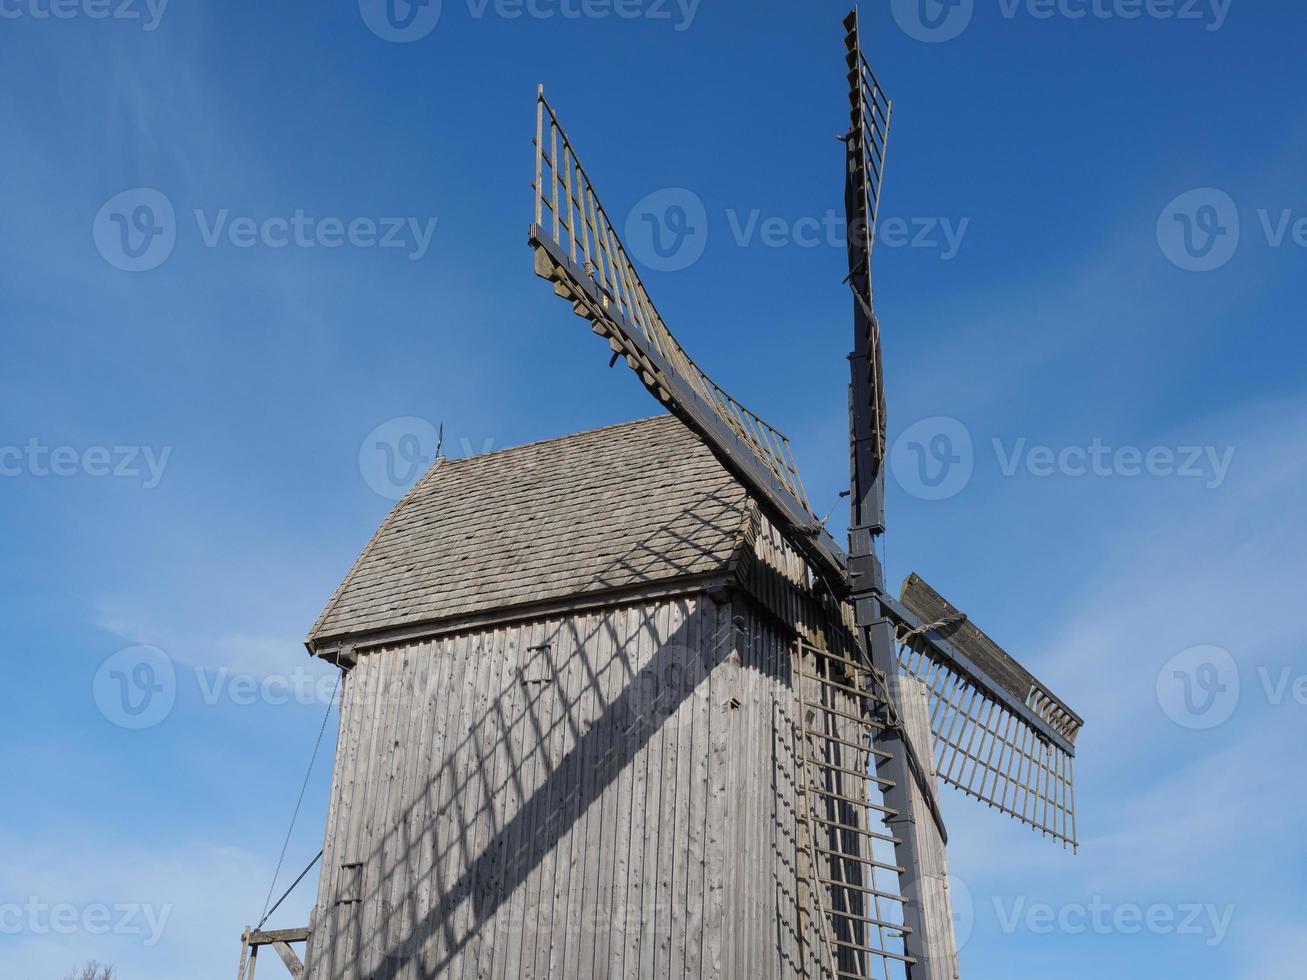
{"points": [[593, 786], [696, 808], [625, 665], [245, 953], [719, 721], [459, 801], [360, 843], [624, 812], [290, 958], [259, 938], [932, 870]]}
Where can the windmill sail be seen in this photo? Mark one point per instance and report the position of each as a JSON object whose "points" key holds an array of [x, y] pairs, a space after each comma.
{"points": [[579, 251], [867, 141], [1000, 735]]}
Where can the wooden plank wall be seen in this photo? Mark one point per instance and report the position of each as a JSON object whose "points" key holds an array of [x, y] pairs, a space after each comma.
{"points": [[609, 794]]}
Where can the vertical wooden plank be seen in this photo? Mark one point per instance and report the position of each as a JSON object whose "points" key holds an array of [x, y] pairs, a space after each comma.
{"points": [[625, 664], [487, 922], [664, 719], [538, 719], [654, 790], [597, 918], [642, 631], [520, 893], [933, 865], [554, 829], [789, 845], [737, 785], [546, 849], [443, 696], [682, 844], [595, 741], [473, 803], [747, 929], [570, 686], [360, 850], [701, 643], [356, 849], [426, 698], [721, 682], [406, 821], [573, 807], [318, 949], [540, 150], [378, 870], [373, 815], [402, 706], [452, 823]]}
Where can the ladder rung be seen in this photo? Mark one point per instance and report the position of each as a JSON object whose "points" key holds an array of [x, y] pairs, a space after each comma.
{"points": [[870, 862], [858, 830], [870, 723], [869, 805], [869, 949], [896, 926], [869, 695], [853, 745], [887, 783], [859, 888], [850, 666], [876, 753]]}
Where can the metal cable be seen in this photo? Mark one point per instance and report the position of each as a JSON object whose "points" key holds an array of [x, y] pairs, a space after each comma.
{"points": [[294, 816]]}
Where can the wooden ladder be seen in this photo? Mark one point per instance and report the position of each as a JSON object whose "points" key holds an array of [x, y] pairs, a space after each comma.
{"points": [[839, 714]]}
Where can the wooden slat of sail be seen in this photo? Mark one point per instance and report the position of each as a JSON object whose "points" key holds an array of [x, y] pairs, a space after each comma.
{"points": [[602, 284], [1000, 735]]}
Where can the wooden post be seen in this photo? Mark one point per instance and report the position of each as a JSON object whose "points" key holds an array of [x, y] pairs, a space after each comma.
{"points": [[941, 952]]}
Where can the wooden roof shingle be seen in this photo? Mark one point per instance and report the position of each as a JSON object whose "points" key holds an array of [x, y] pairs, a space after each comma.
{"points": [[641, 502]]}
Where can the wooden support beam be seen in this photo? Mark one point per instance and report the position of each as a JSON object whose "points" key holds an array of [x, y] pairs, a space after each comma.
{"points": [[279, 939], [939, 957], [292, 961], [279, 936]]}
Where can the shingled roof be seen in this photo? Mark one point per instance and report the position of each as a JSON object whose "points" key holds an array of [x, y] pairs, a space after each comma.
{"points": [[636, 503]]}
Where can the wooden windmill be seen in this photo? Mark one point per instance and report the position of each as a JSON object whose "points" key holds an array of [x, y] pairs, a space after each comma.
{"points": [[990, 728], [618, 704]]}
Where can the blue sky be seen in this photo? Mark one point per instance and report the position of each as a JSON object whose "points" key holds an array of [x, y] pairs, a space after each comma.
{"points": [[1108, 258]]}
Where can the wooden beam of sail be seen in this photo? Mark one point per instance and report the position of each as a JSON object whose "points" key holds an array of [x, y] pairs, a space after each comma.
{"points": [[577, 248], [867, 142], [1000, 735]]}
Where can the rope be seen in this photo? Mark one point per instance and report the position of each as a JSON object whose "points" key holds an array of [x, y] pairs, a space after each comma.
{"points": [[954, 620], [294, 816]]}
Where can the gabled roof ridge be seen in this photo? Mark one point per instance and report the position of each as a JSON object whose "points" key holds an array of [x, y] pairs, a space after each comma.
{"points": [[569, 437]]}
